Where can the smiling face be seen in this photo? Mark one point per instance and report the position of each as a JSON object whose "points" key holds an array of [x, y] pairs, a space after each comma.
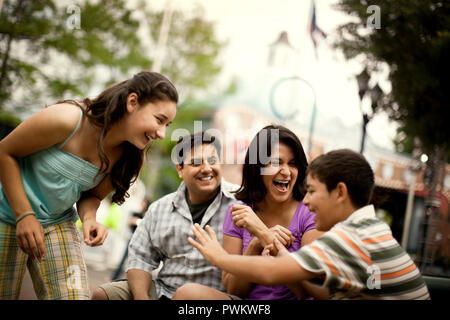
{"points": [[201, 172], [280, 174], [149, 121], [322, 203]]}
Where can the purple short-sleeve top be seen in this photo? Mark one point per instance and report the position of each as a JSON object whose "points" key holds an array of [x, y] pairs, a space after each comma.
{"points": [[300, 223]]}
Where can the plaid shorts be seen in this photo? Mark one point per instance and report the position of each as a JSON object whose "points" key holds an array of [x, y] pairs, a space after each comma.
{"points": [[61, 274]]}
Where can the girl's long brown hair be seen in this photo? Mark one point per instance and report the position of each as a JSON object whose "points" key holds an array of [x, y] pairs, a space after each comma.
{"points": [[109, 107]]}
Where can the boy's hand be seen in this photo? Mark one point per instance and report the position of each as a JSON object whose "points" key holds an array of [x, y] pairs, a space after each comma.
{"points": [[275, 249], [267, 251], [207, 244]]}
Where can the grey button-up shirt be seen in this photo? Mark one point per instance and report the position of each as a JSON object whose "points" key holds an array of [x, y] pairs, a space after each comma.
{"points": [[162, 236]]}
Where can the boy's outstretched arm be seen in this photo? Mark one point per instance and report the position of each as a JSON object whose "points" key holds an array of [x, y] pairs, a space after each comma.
{"points": [[268, 271]]}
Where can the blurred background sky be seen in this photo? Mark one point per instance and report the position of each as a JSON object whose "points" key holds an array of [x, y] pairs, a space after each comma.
{"points": [[251, 26]]}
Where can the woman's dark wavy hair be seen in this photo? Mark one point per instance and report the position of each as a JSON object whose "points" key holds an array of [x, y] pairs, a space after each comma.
{"points": [[109, 107], [252, 189]]}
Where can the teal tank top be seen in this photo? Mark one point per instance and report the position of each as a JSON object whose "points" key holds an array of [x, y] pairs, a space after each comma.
{"points": [[53, 180]]}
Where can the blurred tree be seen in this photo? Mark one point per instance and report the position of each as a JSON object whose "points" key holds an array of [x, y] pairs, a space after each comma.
{"points": [[191, 61], [413, 38], [8, 121], [192, 51], [55, 49], [49, 50]]}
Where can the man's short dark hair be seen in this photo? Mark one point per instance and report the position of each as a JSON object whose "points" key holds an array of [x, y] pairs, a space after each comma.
{"points": [[187, 143], [345, 166]]}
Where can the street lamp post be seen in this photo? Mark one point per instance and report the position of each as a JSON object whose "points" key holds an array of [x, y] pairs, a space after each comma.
{"points": [[415, 167], [375, 94], [363, 85], [366, 120], [432, 204]]}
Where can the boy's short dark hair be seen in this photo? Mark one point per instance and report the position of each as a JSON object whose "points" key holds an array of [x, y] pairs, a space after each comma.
{"points": [[345, 166], [187, 143]]}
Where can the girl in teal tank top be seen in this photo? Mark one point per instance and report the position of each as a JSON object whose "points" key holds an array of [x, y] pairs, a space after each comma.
{"points": [[73, 153]]}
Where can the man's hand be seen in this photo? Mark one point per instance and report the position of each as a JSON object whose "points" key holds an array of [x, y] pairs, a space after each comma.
{"points": [[207, 244]]}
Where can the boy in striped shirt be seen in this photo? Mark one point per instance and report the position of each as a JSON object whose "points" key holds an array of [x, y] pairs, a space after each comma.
{"points": [[356, 259]]}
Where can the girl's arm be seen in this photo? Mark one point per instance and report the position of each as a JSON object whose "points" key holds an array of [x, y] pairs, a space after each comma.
{"points": [[258, 269], [42, 130], [94, 233]]}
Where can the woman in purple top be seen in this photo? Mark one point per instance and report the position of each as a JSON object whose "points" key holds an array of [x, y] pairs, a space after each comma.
{"points": [[301, 222], [271, 193]]}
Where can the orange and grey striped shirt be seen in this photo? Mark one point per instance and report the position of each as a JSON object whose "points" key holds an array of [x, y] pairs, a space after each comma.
{"points": [[360, 259]]}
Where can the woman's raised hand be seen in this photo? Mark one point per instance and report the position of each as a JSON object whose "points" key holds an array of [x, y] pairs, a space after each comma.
{"points": [[283, 235], [245, 217]]}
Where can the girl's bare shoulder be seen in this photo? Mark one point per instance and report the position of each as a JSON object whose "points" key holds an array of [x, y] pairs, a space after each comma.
{"points": [[48, 127], [64, 115]]}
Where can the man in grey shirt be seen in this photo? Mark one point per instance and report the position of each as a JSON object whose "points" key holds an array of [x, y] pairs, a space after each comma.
{"points": [[203, 197]]}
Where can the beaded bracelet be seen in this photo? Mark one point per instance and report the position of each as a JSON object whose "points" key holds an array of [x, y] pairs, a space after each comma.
{"points": [[24, 215]]}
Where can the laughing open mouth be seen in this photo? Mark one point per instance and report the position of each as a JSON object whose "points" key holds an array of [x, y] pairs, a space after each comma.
{"points": [[281, 185]]}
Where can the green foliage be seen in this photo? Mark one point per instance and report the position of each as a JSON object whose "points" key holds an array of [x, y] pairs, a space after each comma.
{"points": [[44, 60], [414, 40], [192, 52], [44, 55], [8, 122], [191, 61], [9, 119]]}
